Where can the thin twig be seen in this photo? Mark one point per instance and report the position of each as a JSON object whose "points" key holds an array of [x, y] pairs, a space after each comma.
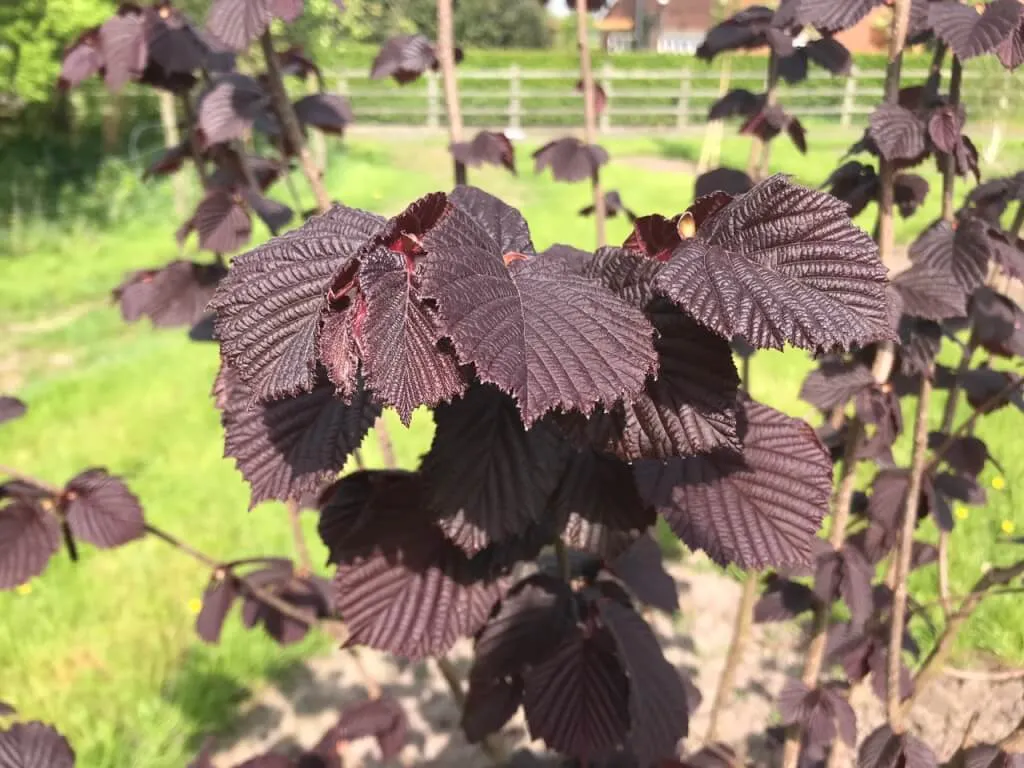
{"points": [[589, 113], [984, 676], [446, 58], [301, 548], [737, 646], [290, 123], [193, 140]]}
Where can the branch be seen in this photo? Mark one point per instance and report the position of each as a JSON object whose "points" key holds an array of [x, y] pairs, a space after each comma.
{"points": [[446, 58], [290, 123], [301, 548], [762, 150], [589, 113], [737, 645]]}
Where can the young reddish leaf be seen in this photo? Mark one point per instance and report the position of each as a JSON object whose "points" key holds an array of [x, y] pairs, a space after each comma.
{"points": [[570, 159], [383, 718], [885, 749], [727, 180], [781, 264], [599, 502], [551, 338], [509, 485], [218, 597], [229, 106], [962, 252], [835, 382], [29, 537], [653, 236], [82, 59], [658, 715], [173, 295], [487, 147], [758, 508], [690, 406], [222, 221], [489, 705], [970, 33], [289, 447], [413, 597], [101, 510], [898, 133], [641, 569], [822, 713], [576, 699], [405, 57], [269, 306], [783, 600], [11, 408], [34, 745], [929, 293], [945, 124], [529, 624], [398, 338], [122, 40], [329, 112]]}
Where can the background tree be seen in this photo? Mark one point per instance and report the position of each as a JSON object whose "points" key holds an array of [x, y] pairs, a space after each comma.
{"points": [[487, 23]]}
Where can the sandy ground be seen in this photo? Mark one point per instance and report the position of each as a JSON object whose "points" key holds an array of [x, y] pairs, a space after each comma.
{"points": [[695, 641]]}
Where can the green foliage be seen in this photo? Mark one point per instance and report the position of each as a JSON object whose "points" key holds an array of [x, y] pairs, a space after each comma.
{"points": [[487, 23]]}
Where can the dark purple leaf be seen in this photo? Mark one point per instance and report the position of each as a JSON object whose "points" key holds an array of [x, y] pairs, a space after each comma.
{"points": [[309, 595], [773, 120], [404, 58], [169, 161], [290, 447], [613, 206], [489, 705], [945, 124], [174, 295], [570, 159], [329, 112], [520, 320], [783, 600], [658, 714], [749, 28], [269, 306], [823, 713], [229, 106], [759, 508], [856, 184], [965, 454], [176, 46], [34, 745], [222, 221], [641, 569], [825, 15], [101, 510], [835, 382], [82, 59], [909, 192], [726, 180], [970, 33], [576, 699], [11, 408], [961, 252], [885, 749], [928, 293], [989, 756], [847, 574], [991, 389], [829, 53], [965, 489], [898, 133], [502, 222], [997, 323], [218, 598], [781, 264], [29, 536], [272, 213], [739, 102], [491, 147], [920, 341], [122, 40], [237, 23], [508, 485], [383, 718], [1011, 51]]}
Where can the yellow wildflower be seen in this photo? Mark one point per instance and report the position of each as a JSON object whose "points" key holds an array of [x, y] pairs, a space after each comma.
{"points": [[1008, 527], [195, 605], [998, 482], [23, 589], [960, 511]]}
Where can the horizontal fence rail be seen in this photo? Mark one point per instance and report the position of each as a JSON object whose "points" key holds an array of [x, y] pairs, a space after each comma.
{"points": [[514, 98]]}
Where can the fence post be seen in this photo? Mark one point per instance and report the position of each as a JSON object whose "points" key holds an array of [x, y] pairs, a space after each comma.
{"points": [[849, 98], [433, 101], [683, 107], [605, 121], [515, 106]]}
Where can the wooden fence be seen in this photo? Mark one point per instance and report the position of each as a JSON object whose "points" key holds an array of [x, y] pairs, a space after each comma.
{"points": [[515, 98]]}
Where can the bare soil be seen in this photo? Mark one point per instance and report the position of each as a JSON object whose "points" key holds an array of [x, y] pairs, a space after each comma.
{"points": [[296, 713]]}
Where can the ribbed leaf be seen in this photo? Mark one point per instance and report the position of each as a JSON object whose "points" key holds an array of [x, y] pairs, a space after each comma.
{"points": [[34, 745], [227, 109], [898, 133], [930, 294], [487, 147], [549, 337], [885, 749], [970, 33], [835, 382], [383, 718], [570, 159], [29, 536], [237, 23], [758, 508], [122, 40], [845, 574], [489, 705], [781, 264], [221, 220], [404, 58], [329, 112], [101, 510], [822, 713], [962, 252], [218, 598]]}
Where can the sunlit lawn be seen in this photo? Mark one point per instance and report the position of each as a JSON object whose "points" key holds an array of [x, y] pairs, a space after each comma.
{"points": [[105, 648]]}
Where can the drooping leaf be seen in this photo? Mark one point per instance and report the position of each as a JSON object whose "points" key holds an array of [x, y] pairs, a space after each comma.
{"points": [[507, 486], [269, 306], [823, 713], [570, 159], [272, 213], [640, 568], [228, 107], [549, 337], [997, 323], [218, 598], [962, 252], [576, 699], [989, 756], [221, 220], [970, 33], [11, 408], [309, 595], [920, 341], [847, 574], [898, 133], [781, 264], [658, 714], [489, 705], [749, 28], [29, 536], [825, 15], [761, 507], [286, 448], [329, 112], [237, 23], [404, 58], [487, 147], [835, 382], [772, 120], [613, 206], [383, 718], [82, 59], [122, 39], [929, 293], [885, 749], [34, 745], [783, 600], [965, 454], [739, 102], [991, 390], [174, 295], [1010, 52], [101, 510]]}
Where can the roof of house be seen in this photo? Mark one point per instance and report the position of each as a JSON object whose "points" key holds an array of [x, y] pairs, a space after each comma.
{"points": [[675, 15]]}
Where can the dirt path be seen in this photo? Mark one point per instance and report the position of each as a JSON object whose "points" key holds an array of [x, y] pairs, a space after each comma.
{"points": [[696, 642]]}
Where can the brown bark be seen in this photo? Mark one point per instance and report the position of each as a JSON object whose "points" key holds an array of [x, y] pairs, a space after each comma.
{"points": [[590, 113], [446, 58]]}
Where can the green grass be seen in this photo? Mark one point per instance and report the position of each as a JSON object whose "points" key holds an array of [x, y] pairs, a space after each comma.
{"points": [[105, 648]]}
